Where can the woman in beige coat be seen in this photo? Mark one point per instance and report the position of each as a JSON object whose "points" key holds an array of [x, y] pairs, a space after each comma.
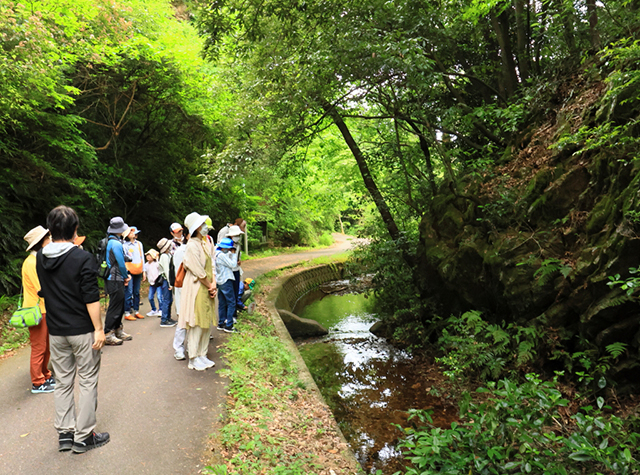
{"points": [[197, 306]]}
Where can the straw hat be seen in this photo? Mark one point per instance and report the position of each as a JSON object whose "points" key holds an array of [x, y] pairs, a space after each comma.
{"points": [[153, 253], [34, 236], [164, 245]]}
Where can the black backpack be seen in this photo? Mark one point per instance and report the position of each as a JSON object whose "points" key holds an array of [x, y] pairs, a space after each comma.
{"points": [[101, 257]]}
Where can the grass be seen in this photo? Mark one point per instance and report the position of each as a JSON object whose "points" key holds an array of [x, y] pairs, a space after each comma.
{"points": [[273, 423]]}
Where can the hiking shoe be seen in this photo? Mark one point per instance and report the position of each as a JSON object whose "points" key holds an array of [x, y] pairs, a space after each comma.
{"points": [[195, 363], [206, 361], [51, 382], [111, 339], [119, 332], [152, 313], [168, 323], [65, 441], [95, 440], [220, 328], [230, 330], [43, 388], [179, 355], [139, 316]]}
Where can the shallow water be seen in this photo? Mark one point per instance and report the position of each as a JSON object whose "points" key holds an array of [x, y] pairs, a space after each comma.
{"points": [[369, 384]]}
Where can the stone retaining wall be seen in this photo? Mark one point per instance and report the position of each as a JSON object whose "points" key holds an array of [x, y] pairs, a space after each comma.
{"points": [[299, 284]]}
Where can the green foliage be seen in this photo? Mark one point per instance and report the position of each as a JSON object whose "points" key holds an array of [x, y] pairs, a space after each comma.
{"points": [[519, 428], [473, 347], [550, 268], [105, 106], [630, 285]]}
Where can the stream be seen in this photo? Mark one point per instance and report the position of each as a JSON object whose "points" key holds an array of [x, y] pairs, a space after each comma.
{"points": [[369, 384]]}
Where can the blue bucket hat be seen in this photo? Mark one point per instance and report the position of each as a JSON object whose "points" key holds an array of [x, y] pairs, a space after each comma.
{"points": [[226, 243]]}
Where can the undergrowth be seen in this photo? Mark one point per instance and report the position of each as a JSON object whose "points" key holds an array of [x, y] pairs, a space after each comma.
{"points": [[520, 428]]}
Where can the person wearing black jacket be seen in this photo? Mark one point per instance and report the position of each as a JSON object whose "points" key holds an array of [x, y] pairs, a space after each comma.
{"points": [[68, 277]]}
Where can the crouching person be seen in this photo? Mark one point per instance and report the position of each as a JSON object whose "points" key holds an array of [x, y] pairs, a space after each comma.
{"points": [[68, 277]]}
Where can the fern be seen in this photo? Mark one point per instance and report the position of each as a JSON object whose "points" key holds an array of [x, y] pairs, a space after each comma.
{"points": [[616, 349], [549, 268]]}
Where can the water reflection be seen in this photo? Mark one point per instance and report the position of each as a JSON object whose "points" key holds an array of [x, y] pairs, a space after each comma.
{"points": [[369, 384]]}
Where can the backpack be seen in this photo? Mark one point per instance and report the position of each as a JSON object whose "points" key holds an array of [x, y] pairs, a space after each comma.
{"points": [[101, 258]]}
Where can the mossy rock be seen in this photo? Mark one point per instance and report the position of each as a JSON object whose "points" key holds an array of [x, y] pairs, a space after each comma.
{"points": [[601, 213]]}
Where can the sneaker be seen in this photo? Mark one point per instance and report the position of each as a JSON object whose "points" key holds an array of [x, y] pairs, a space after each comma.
{"points": [[168, 323], [158, 313], [139, 316], [230, 330], [65, 441], [195, 363], [95, 440], [152, 313], [51, 382], [179, 355], [43, 388], [119, 332], [111, 339], [220, 328], [206, 361]]}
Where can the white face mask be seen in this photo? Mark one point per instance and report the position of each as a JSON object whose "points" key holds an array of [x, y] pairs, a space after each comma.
{"points": [[204, 230], [236, 238]]}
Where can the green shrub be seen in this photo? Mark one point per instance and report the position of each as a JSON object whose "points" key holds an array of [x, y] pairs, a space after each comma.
{"points": [[326, 239], [520, 429], [474, 347]]}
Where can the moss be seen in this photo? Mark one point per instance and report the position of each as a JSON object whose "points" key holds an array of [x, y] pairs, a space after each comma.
{"points": [[600, 215]]}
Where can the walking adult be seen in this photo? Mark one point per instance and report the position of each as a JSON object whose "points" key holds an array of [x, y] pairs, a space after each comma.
{"points": [[69, 279], [117, 278], [41, 379], [199, 289], [134, 250]]}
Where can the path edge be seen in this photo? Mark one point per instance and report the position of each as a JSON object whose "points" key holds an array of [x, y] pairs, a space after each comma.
{"points": [[303, 372]]}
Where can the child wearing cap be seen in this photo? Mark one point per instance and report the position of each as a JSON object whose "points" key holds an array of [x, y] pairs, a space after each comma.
{"points": [[244, 292], [226, 261], [135, 265], [152, 272]]}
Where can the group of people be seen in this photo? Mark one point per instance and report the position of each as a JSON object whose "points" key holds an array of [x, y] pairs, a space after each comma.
{"points": [[61, 277]]}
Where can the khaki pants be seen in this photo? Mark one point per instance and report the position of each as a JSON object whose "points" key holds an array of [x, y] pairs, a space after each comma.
{"points": [[69, 353], [197, 341]]}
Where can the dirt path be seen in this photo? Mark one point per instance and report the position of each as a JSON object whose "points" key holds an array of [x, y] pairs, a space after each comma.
{"points": [[158, 412]]}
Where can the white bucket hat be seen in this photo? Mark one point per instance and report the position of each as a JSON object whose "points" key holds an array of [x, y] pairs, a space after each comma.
{"points": [[194, 220], [234, 231]]}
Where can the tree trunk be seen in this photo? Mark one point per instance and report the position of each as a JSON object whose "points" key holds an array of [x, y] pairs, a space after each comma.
{"points": [[523, 39], [501, 26], [369, 182], [593, 24], [424, 146]]}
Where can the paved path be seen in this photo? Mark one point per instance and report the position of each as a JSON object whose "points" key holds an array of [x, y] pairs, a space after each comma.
{"points": [[158, 412]]}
